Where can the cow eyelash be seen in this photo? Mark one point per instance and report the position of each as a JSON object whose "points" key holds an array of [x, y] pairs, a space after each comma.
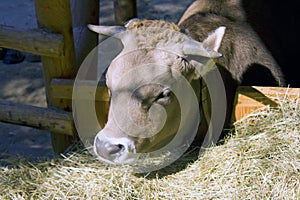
{"points": [[163, 98], [160, 96], [166, 92]]}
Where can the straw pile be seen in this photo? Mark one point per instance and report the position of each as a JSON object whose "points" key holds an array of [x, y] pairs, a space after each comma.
{"points": [[260, 160]]}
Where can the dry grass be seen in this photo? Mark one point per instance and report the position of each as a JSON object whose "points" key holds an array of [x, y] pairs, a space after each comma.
{"points": [[260, 160]]}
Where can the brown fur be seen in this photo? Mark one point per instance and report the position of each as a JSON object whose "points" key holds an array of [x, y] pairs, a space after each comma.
{"points": [[240, 46], [227, 8]]}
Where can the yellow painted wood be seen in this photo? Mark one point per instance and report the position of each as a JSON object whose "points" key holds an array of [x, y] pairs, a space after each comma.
{"points": [[62, 89], [251, 98]]}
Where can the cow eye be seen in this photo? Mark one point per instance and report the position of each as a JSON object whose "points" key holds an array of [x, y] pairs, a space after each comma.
{"points": [[164, 97]]}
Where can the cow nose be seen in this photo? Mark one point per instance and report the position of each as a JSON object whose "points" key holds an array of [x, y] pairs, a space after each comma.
{"points": [[108, 150]]}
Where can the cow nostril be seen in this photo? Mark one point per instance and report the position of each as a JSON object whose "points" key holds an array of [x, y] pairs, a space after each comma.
{"points": [[114, 149], [121, 146], [108, 150]]}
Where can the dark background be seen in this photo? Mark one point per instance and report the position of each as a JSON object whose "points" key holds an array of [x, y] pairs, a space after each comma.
{"points": [[276, 23]]}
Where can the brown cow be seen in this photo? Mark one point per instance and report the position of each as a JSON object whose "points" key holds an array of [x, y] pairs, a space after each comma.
{"points": [[242, 49]]}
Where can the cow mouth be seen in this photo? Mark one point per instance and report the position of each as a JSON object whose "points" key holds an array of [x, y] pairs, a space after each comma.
{"points": [[123, 151], [120, 159]]}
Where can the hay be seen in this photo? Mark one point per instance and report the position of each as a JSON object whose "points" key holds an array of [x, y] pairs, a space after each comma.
{"points": [[260, 160]]}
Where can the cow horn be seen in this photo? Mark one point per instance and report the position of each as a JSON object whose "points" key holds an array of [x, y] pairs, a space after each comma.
{"points": [[106, 30], [131, 21], [192, 47]]}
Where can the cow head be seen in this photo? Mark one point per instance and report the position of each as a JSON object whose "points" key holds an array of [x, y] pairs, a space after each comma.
{"points": [[145, 112]]}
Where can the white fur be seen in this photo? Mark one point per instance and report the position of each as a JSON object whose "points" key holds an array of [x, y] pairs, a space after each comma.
{"points": [[213, 41]]}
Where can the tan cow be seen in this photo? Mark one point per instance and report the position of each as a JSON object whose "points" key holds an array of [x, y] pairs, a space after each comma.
{"points": [[158, 55], [160, 52]]}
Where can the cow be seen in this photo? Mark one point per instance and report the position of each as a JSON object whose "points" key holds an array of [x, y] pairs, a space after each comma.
{"points": [[173, 50]]}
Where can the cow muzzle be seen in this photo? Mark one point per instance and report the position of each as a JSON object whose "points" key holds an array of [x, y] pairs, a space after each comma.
{"points": [[114, 150]]}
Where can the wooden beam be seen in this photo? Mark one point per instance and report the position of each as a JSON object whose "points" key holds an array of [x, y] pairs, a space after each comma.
{"points": [[36, 41], [51, 119], [63, 88], [251, 98]]}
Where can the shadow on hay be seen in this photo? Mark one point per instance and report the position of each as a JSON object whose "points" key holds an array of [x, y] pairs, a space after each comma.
{"points": [[188, 158], [191, 155]]}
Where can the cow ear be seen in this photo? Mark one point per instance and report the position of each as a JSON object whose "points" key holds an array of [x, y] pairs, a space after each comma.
{"points": [[195, 48], [214, 39], [204, 64], [208, 48]]}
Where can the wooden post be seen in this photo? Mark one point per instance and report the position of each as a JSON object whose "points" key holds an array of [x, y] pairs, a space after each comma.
{"points": [[83, 13], [56, 16], [124, 10]]}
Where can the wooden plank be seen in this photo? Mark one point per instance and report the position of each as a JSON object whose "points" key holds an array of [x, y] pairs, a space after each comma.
{"points": [[55, 120], [251, 98], [35, 41], [63, 88]]}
